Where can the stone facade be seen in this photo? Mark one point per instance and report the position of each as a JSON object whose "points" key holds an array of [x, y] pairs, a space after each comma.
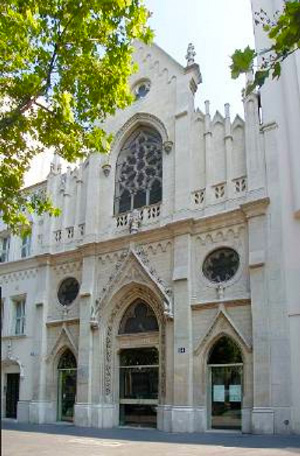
{"points": [[221, 189]]}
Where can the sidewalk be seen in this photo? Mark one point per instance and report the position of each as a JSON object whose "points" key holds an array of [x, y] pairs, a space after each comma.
{"points": [[65, 440]]}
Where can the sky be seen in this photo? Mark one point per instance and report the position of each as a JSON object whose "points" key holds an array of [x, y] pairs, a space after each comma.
{"points": [[216, 28]]}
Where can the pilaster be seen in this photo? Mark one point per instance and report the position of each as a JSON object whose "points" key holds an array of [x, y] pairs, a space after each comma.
{"points": [[183, 348]]}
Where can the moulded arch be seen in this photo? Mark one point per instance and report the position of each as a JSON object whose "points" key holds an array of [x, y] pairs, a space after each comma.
{"points": [[137, 120], [212, 344], [111, 323]]}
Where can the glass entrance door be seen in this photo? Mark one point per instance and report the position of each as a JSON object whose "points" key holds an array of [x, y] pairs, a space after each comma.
{"points": [[67, 376], [139, 386], [67, 394], [12, 395], [226, 396]]}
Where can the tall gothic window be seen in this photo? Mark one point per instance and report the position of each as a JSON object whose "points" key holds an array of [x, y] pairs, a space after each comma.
{"points": [[139, 171]]}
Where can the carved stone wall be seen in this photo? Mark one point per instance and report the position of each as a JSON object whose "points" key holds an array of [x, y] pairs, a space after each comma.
{"points": [[236, 288], [58, 273]]}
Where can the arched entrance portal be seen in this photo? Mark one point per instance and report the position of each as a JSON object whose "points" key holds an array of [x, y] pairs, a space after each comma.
{"points": [[138, 367], [226, 384], [67, 374]]}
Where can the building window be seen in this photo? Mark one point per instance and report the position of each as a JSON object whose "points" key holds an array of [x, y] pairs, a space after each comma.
{"points": [[4, 249], [68, 291], [141, 89], [139, 171], [139, 317], [221, 265], [26, 247], [20, 317]]}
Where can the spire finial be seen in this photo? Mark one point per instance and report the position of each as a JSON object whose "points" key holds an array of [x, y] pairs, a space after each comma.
{"points": [[190, 55], [55, 166]]}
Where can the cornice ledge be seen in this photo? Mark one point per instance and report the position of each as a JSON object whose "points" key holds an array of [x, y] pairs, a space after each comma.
{"points": [[227, 302], [269, 126], [61, 322], [255, 208]]}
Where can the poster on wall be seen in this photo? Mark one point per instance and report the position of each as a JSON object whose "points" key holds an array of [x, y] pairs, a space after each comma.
{"points": [[219, 393], [235, 393]]}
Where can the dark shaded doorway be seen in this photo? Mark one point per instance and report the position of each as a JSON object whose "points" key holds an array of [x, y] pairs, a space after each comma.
{"points": [[12, 395], [139, 373], [67, 378]]}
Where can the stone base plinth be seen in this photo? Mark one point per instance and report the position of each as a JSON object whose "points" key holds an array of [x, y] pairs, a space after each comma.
{"points": [[96, 415], [42, 412], [262, 420], [172, 418]]}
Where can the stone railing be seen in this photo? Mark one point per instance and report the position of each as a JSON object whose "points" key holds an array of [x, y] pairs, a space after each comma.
{"points": [[69, 233], [220, 192], [146, 214]]}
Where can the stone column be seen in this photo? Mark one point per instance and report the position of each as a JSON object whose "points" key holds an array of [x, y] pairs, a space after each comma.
{"points": [[83, 406], [254, 151], [209, 174], [182, 410], [41, 408], [228, 151], [262, 415], [182, 163], [92, 200]]}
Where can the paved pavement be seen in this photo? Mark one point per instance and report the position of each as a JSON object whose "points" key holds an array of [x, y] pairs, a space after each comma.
{"points": [[63, 440]]}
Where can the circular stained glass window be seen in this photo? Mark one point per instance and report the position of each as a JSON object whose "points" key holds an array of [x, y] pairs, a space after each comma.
{"points": [[221, 265], [142, 89], [68, 291]]}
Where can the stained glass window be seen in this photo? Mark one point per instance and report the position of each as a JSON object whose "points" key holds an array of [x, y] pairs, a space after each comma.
{"points": [[67, 360], [225, 351], [139, 317], [68, 291], [139, 171], [221, 265]]}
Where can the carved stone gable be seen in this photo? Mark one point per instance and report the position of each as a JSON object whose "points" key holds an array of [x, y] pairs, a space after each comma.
{"points": [[222, 323], [134, 267]]}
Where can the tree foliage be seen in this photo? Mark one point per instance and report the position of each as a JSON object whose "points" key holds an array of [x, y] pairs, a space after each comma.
{"points": [[64, 68], [283, 31]]}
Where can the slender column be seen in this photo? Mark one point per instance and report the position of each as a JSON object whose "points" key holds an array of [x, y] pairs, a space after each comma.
{"points": [[83, 411], [254, 152], [41, 409], [208, 154], [183, 417], [263, 415], [228, 152]]}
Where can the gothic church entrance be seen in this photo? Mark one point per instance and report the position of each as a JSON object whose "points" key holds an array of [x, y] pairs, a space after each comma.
{"points": [[67, 377], [138, 367], [226, 385]]}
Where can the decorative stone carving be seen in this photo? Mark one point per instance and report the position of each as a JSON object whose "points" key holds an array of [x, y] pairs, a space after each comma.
{"points": [[168, 145], [112, 328], [139, 271], [10, 358], [190, 55], [106, 167], [223, 323], [134, 221]]}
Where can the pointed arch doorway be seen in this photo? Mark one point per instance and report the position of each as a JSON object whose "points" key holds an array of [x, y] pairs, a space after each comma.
{"points": [[225, 365], [67, 379], [138, 366]]}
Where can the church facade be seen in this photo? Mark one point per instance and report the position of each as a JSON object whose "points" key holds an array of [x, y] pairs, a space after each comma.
{"points": [[158, 297]]}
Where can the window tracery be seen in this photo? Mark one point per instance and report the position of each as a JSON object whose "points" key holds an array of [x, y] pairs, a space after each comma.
{"points": [[139, 171], [139, 317]]}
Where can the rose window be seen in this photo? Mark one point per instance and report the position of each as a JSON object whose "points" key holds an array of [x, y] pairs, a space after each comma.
{"points": [[221, 265], [139, 171]]}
